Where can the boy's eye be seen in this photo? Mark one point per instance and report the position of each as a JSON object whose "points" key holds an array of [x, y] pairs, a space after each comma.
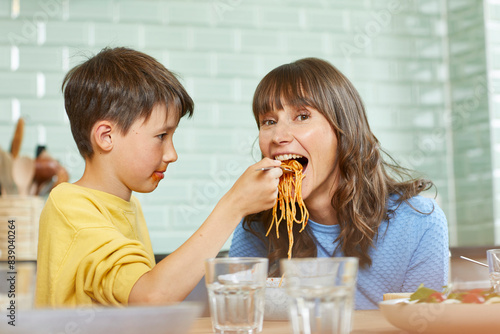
{"points": [[303, 117], [161, 136]]}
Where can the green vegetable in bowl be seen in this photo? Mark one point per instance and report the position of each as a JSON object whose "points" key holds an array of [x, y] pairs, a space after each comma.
{"points": [[474, 296], [427, 295]]}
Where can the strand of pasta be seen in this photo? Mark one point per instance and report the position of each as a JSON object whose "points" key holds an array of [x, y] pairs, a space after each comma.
{"points": [[290, 193]]}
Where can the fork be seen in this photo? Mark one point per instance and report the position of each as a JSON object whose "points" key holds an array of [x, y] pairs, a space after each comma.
{"points": [[474, 261], [284, 168]]}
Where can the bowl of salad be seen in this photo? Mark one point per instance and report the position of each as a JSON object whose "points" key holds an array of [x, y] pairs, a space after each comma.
{"points": [[431, 311]]}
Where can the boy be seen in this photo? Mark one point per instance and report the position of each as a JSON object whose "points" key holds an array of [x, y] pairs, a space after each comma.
{"points": [[94, 247]]}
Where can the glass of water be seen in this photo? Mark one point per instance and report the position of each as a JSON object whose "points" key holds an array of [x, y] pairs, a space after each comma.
{"points": [[493, 257], [236, 293], [322, 293]]}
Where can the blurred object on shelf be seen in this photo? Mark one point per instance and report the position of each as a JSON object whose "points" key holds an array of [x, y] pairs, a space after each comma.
{"points": [[48, 174], [39, 150], [21, 175], [25, 212], [17, 140], [7, 185], [23, 171]]}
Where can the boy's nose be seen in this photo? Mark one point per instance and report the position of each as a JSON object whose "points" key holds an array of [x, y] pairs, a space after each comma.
{"points": [[170, 154]]}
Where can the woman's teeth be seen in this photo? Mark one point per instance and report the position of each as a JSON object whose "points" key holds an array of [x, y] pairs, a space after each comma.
{"points": [[284, 157]]}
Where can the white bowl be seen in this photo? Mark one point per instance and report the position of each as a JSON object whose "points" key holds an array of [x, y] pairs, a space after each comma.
{"points": [[276, 307], [441, 318]]}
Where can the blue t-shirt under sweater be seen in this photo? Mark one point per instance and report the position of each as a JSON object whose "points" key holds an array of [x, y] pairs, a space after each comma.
{"points": [[411, 249]]}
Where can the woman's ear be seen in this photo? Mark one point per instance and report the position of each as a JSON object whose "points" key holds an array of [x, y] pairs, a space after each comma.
{"points": [[102, 135]]}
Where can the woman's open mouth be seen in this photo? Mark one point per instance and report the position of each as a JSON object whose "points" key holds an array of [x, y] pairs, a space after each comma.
{"points": [[300, 159]]}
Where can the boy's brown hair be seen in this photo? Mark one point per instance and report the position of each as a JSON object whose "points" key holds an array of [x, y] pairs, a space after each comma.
{"points": [[120, 85]]}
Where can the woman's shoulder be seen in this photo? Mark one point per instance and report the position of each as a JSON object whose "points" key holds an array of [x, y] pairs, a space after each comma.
{"points": [[254, 224], [418, 205], [245, 243], [417, 210], [415, 217]]}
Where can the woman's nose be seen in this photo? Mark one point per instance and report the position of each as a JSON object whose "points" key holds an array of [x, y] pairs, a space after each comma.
{"points": [[282, 133]]}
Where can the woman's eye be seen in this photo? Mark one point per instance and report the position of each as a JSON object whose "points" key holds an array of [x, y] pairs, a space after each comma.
{"points": [[161, 136], [267, 122], [303, 117]]}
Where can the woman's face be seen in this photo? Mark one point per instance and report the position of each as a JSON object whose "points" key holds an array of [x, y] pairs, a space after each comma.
{"points": [[306, 134]]}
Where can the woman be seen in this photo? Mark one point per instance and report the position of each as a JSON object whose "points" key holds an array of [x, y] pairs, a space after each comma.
{"points": [[359, 204]]}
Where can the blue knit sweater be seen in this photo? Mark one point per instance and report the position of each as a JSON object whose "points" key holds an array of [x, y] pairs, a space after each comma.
{"points": [[411, 249]]}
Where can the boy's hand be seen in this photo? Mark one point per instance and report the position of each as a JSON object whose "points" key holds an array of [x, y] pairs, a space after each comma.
{"points": [[256, 190]]}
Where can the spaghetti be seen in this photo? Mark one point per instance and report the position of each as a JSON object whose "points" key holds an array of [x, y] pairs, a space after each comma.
{"points": [[290, 194]]}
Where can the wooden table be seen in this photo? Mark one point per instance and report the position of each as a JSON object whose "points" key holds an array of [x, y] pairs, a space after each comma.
{"points": [[364, 322]]}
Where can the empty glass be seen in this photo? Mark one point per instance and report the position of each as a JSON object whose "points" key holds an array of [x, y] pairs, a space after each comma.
{"points": [[322, 293], [236, 293], [493, 257]]}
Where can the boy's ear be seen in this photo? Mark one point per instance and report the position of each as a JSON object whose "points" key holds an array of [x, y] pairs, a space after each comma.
{"points": [[101, 133]]}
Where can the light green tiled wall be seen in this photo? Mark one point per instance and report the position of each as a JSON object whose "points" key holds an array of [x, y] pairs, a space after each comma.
{"points": [[394, 52], [492, 23], [469, 124]]}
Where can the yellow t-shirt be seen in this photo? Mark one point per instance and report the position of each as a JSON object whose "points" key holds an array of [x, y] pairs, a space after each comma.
{"points": [[92, 248]]}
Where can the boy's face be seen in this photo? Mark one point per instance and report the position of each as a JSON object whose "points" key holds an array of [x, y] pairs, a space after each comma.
{"points": [[143, 154]]}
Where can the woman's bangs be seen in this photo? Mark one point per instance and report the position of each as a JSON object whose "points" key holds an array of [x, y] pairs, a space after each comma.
{"points": [[275, 92]]}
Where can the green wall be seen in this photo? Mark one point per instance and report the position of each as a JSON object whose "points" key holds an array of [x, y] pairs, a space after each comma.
{"points": [[420, 67]]}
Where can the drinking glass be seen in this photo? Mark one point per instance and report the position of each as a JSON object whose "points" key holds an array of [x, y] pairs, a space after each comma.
{"points": [[236, 293], [322, 293], [493, 257]]}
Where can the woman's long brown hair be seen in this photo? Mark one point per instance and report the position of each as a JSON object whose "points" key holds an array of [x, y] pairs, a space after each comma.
{"points": [[365, 179]]}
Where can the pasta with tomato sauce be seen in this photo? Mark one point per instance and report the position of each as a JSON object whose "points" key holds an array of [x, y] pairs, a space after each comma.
{"points": [[289, 198]]}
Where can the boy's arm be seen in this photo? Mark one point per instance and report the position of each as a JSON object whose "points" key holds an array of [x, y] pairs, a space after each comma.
{"points": [[173, 278]]}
